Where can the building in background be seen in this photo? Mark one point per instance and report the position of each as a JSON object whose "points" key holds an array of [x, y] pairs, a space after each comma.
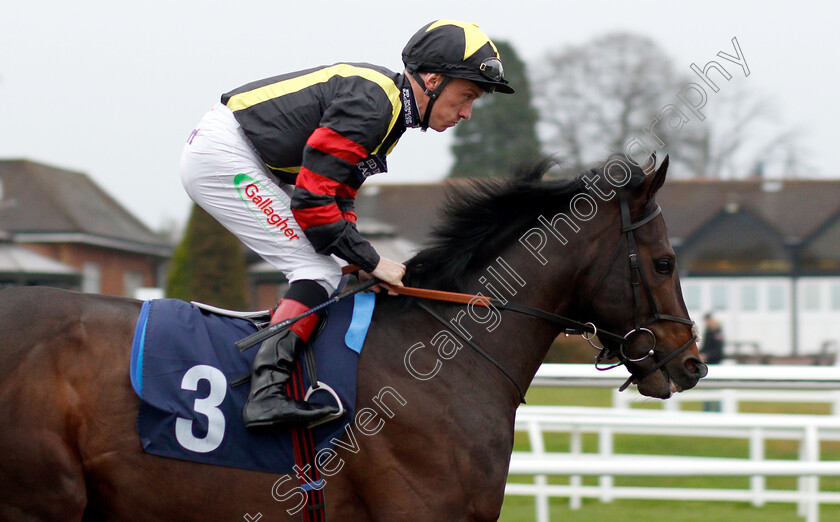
{"points": [[22, 267], [764, 256], [95, 245]]}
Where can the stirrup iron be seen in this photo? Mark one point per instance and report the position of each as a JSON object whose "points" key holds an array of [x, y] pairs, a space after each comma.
{"points": [[320, 386]]}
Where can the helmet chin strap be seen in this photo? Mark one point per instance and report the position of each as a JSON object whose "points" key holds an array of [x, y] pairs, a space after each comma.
{"points": [[432, 94]]}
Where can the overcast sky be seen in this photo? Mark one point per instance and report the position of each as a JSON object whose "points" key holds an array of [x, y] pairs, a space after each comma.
{"points": [[113, 89]]}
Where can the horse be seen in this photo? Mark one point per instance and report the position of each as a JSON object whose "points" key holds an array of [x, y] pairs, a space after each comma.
{"points": [[438, 385]]}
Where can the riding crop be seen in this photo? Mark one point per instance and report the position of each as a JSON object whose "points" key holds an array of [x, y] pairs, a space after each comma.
{"points": [[262, 335]]}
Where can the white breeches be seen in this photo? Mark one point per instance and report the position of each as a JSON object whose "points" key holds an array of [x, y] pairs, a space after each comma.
{"points": [[223, 174]]}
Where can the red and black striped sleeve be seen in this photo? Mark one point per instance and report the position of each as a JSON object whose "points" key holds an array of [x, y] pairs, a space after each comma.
{"points": [[324, 195], [361, 113]]}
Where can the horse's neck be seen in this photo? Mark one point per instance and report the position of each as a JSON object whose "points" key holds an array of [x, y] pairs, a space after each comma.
{"points": [[520, 342]]}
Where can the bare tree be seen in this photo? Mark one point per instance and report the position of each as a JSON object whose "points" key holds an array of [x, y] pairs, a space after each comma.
{"points": [[612, 95], [594, 97], [744, 137]]}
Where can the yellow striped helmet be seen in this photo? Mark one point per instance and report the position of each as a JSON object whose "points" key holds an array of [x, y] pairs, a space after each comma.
{"points": [[458, 50]]}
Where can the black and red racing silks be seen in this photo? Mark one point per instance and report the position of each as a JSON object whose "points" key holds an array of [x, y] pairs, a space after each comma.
{"points": [[325, 130]]}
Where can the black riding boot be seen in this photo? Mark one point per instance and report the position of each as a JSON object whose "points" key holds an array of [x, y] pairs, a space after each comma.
{"points": [[268, 404]]}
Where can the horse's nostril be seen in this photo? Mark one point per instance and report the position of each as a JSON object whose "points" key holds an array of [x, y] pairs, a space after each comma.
{"points": [[695, 367]]}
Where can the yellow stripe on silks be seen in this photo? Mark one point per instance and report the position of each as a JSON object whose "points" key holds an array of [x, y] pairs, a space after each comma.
{"points": [[293, 170], [248, 99], [394, 96], [387, 152], [474, 38]]}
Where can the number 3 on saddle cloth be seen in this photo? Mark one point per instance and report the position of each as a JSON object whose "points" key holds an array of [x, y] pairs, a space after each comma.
{"points": [[183, 360]]}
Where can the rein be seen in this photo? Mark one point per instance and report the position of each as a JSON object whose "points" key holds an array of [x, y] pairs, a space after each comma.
{"points": [[478, 349], [570, 326]]}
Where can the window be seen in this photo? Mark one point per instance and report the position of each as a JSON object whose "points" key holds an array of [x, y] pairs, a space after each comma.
{"points": [[693, 296], [775, 297], [91, 278], [749, 297], [835, 296], [720, 297], [810, 296], [132, 281]]}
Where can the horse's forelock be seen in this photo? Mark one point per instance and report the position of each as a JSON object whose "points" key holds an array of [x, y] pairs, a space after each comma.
{"points": [[616, 167]]}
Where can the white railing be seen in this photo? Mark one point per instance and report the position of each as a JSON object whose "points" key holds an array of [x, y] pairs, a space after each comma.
{"points": [[729, 400], [809, 430], [720, 376]]}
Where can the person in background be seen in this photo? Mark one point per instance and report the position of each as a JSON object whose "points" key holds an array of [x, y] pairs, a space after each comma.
{"points": [[711, 350]]}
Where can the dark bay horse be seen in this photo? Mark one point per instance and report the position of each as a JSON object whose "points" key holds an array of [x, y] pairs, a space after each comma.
{"points": [[433, 432]]}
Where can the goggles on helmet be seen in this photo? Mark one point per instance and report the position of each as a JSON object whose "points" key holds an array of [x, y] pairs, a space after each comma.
{"points": [[492, 69]]}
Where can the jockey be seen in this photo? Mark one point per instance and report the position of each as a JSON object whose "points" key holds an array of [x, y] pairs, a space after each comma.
{"points": [[278, 163]]}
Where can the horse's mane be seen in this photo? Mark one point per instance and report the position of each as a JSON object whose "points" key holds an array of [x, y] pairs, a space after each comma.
{"points": [[482, 216]]}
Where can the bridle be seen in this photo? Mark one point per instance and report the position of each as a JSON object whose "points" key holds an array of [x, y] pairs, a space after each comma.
{"points": [[637, 283], [587, 330]]}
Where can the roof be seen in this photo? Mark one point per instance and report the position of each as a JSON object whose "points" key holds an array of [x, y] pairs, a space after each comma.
{"points": [[735, 241], [17, 260], [707, 218], [795, 208], [410, 209], [44, 204]]}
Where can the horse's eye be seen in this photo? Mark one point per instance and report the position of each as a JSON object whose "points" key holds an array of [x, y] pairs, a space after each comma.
{"points": [[664, 266]]}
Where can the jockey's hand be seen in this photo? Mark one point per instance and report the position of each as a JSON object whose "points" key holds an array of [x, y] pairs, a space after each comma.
{"points": [[389, 272]]}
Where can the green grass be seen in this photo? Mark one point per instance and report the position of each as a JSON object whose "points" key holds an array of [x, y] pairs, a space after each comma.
{"points": [[522, 509], [518, 508]]}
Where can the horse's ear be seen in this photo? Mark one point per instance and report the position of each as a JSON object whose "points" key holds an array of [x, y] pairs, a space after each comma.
{"points": [[657, 179], [650, 164]]}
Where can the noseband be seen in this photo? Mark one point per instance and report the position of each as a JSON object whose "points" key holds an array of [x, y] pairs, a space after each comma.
{"points": [[637, 283]]}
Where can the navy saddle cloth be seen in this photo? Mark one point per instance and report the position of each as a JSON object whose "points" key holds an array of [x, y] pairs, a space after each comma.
{"points": [[183, 360]]}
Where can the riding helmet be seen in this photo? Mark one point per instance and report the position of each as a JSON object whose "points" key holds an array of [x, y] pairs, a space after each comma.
{"points": [[458, 50]]}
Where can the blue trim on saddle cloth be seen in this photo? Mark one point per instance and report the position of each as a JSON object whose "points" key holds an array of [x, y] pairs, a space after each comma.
{"points": [[362, 314], [136, 370], [183, 360]]}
